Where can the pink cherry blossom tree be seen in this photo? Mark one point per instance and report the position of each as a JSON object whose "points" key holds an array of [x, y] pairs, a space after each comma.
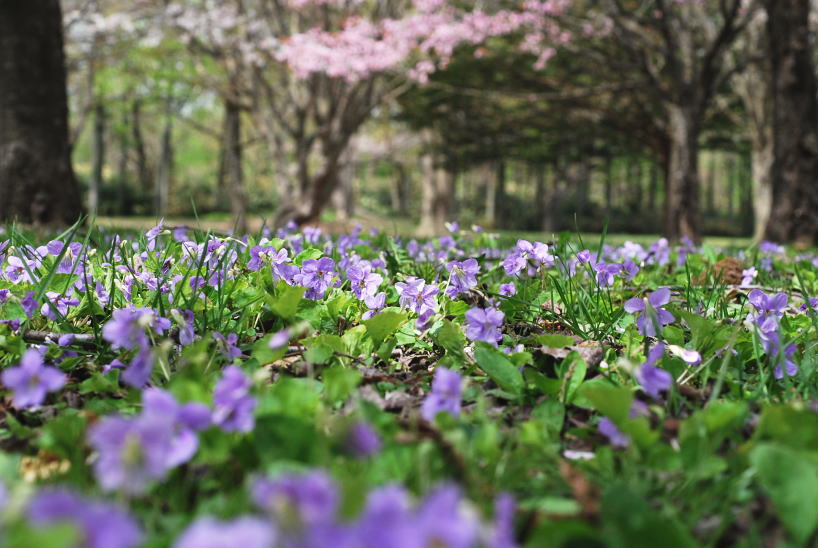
{"points": [[313, 71]]}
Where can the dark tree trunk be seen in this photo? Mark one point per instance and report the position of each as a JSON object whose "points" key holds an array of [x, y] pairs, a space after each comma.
{"points": [[399, 191], [554, 196], [142, 169], [710, 184], [489, 183], [232, 165], [97, 158], [794, 214], [653, 189], [500, 193], [343, 199], [221, 174], [609, 163], [540, 190], [682, 183], [123, 203], [438, 197], [747, 183], [634, 187], [37, 183], [164, 167], [730, 169]]}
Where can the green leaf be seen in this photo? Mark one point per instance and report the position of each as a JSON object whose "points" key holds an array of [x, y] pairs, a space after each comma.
{"points": [[546, 385], [264, 354], [612, 401], [318, 354], [98, 383], [630, 522], [791, 425], [450, 338], [554, 340], [60, 535], [307, 254], [456, 308], [499, 368], [385, 324], [340, 382], [577, 368], [790, 479], [285, 303]]}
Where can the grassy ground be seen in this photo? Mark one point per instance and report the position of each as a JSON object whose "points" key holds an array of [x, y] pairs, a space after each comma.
{"points": [[394, 225]]}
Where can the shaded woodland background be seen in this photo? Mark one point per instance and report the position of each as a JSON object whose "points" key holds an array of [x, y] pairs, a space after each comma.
{"points": [[683, 118]]}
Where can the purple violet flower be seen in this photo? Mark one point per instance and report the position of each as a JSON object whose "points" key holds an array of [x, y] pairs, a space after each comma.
{"points": [[279, 340], [59, 302], [653, 379], [32, 380], [484, 324], [362, 440], [227, 345], [365, 283], [29, 304], [615, 436], [246, 532], [101, 525], [317, 275], [652, 317], [417, 295], [444, 396], [748, 275], [508, 290], [131, 452], [233, 405], [374, 304], [298, 500], [463, 276], [605, 273]]}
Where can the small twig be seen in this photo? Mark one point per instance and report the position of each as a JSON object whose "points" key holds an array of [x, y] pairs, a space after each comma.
{"points": [[51, 337]]}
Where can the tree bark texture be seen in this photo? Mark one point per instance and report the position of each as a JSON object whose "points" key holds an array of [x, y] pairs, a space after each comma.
{"points": [[233, 167], [682, 184], [37, 182], [164, 167], [794, 212], [437, 184], [142, 169], [97, 158]]}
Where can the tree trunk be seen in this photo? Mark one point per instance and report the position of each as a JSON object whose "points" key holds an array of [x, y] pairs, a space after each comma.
{"points": [[428, 185], [634, 187], [653, 189], [730, 169], [609, 163], [399, 191], [794, 212], [710, 184], [164, 167], [97, 159], [554, 196], [123, 203], [142, 169], [343, 199], [233, 167], [762, 173], [540, 190], [221, 174], [305, 206], [746, 178], [499, 199], [489, 177], [37, 183], [682, 217]]}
